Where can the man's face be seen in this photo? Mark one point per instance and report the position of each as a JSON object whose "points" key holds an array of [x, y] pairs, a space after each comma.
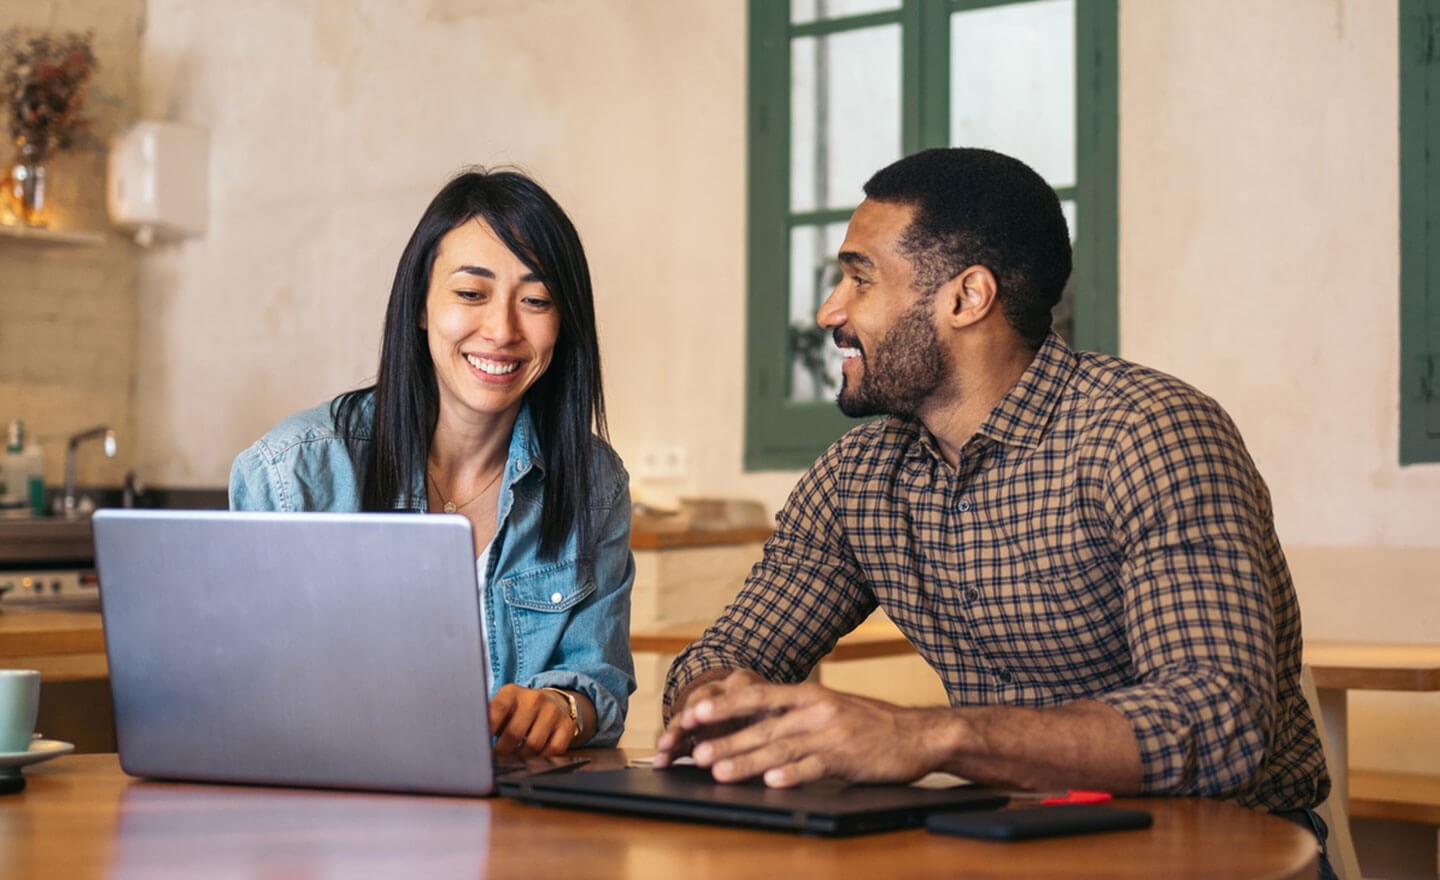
{"points": [[894, 361]]}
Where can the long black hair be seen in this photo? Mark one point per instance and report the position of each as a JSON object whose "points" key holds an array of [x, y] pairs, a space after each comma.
{"points": [[567, 402]]}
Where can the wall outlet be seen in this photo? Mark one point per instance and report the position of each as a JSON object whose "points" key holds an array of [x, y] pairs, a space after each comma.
{"points": [[662, 463]]}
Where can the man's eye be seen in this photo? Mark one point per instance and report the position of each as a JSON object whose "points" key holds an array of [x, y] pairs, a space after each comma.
{"points": [[859, 282]]}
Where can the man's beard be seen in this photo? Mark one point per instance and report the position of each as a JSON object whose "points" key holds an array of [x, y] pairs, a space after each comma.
{"points": [[902, 371]]}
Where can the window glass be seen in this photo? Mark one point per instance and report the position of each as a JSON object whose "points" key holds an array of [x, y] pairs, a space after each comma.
{"points": [[1012, 84], [802, 11], [814, 271], [844, 114], [1063, 315]]}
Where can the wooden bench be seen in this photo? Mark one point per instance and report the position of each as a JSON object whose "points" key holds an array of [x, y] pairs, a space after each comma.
{"points": [[1402, 797]]}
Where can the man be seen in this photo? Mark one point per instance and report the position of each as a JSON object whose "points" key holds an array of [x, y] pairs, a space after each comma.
{"points": [[1081, 547]]}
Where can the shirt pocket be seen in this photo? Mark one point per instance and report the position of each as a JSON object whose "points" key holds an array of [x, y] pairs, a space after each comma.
{"points": [[539, 602]]}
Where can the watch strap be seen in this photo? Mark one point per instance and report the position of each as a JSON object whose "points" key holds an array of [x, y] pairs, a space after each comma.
{"points": [[574, 706]]}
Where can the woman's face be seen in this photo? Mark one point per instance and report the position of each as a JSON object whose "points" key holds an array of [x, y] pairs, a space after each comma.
{"points": [[490, 322]]}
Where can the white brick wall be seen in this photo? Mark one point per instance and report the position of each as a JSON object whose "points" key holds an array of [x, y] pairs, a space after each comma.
{"points": [[68, 338]]}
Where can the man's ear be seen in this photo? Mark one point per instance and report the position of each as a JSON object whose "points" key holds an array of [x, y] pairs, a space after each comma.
{"points": [[969, 296]]}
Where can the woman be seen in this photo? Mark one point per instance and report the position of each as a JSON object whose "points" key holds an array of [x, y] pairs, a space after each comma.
{"points": [[488, 388]]}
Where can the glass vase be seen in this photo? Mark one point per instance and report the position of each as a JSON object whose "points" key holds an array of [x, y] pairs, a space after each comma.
{"points": [[24, 186]]}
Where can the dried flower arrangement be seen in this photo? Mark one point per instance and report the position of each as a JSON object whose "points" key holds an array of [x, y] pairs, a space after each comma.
{"points": [[46, 79]]}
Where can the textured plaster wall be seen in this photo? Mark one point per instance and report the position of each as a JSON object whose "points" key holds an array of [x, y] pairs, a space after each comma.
{"points": [[333, 124]]}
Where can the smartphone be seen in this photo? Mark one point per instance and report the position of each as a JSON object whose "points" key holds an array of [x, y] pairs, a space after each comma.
{"points": [[1027, 823]]}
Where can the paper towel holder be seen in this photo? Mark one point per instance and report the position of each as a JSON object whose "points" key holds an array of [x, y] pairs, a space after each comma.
{"points": [[157, 181]]}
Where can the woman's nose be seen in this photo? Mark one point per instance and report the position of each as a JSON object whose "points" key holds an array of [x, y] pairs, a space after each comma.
{"points": [[500, 324]]}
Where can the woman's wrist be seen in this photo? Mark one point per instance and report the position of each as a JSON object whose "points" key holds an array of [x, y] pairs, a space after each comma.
{"points": [[570, 704]]}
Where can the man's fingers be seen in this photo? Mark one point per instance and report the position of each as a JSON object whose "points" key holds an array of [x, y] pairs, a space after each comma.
{"points": [[770, 742], [807, 769], [741, 700]]}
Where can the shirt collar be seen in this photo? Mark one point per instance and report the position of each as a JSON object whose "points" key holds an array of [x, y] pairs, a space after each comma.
{"points": [[1026, 410], [1022, 415], [525, 451], [523, 455]]}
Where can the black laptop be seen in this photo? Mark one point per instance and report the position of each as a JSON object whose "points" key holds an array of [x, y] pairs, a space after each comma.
{"points": [[828, 807]]}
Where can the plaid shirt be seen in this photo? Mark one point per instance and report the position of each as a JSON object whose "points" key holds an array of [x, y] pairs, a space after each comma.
{"points": [[1104, 536]]}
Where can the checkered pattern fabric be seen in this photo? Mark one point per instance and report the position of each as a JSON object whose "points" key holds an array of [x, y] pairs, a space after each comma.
{"points": [[1105, 536]]}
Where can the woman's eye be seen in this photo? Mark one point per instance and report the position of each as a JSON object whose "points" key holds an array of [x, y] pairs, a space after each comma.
{"points": [[470, 294], [537, 302]]}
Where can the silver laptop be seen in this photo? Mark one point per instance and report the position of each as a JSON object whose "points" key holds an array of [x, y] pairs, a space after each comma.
{"points": [[307, 649]]}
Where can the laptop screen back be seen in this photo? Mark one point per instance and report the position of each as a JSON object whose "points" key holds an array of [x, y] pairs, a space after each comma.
{"points": [[312, 649]]}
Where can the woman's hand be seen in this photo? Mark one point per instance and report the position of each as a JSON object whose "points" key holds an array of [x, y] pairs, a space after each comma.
{"points": [[531, 722]]}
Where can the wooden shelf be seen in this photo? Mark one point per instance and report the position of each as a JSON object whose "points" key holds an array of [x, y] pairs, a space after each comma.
{"points": [[650, 537], [42, 235]]}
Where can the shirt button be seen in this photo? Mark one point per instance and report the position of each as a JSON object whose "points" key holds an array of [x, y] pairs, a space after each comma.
{"points": [[964, 506], [972, 594], [1005, 676], [555, 598]]}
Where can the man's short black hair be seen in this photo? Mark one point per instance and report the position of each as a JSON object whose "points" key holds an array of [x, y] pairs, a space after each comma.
{"points": [[975, 206]]}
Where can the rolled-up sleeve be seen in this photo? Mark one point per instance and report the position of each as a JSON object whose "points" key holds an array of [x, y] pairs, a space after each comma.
{"points": [[1198, 616]]}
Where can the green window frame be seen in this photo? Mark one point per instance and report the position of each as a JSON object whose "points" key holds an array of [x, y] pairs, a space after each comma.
{"points": [[1419, 231], [784, 434]]}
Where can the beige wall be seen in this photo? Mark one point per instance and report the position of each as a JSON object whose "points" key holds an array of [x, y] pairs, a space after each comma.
{"points": [[67, 313], [1259, 260], [1257, 243]]}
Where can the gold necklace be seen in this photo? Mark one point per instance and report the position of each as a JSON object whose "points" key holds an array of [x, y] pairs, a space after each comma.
{"points": [[452, 507]]}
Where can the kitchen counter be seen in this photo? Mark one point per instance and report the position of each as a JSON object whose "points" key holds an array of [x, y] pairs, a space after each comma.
{"points": [[57, 542], [48, 541]]}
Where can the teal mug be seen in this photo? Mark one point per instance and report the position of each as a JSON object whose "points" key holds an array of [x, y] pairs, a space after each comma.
{"points": [[19, 703]]}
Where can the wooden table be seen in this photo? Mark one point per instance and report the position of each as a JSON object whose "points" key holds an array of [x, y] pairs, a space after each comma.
{"points": [[1340, 667], [81, 817]]}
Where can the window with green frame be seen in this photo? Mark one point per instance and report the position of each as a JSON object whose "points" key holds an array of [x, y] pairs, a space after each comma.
{"points": [[839, 89], [1419, 231]]}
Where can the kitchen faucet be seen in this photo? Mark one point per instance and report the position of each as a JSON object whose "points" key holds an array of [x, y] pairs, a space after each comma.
{"points": [[67, 504]]}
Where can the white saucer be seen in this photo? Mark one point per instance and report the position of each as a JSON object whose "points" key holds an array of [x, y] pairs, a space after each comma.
{"points": [[40, 750]]}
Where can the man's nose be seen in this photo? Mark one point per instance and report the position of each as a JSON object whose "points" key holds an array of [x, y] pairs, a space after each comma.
{"points": [[832, 310]]}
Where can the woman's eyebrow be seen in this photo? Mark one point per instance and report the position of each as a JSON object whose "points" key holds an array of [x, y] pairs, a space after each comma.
{"points": [[483, 272]]}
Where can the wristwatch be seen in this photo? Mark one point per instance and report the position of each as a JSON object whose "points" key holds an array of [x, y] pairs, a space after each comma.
{"points": [[574, 705]]}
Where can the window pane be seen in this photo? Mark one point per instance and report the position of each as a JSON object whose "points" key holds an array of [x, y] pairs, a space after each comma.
{"points": [[1063, 315], [844, 114], [814, 271], [1012, 84], [802, 11]]}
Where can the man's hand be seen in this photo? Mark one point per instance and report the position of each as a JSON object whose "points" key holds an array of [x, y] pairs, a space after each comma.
{"points": [[744, 726], [678, 740], [530, 722]]}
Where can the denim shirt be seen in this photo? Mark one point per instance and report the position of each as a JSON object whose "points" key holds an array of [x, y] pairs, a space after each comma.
{"points": [[562, 622]]}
